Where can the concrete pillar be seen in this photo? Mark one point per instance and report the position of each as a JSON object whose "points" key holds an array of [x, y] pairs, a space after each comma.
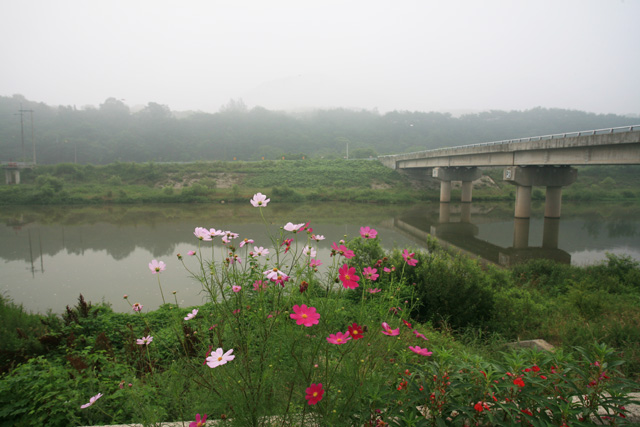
{"points": [[17, 176], [466, 192], [523, 201], [553, 202], [7, 176], [521, 233], [550, 233], [445, 213], [447, 174], [445, 191]]}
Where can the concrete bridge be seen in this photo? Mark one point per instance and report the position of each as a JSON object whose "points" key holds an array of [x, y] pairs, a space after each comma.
{"points": [[12, 170], [535, 161]]}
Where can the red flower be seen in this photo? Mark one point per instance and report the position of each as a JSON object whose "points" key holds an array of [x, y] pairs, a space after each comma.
{"points": [[314, 393], [355, 331], [518, 381], [407, 324], [526, 411], [481, 406], [535, 368]]}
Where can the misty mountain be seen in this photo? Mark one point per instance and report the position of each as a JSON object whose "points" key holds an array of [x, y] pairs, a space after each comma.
{"points": [[112, 132]]}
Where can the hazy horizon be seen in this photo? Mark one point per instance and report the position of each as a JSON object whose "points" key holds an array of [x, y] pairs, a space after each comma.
{"points": [[458, 56]]}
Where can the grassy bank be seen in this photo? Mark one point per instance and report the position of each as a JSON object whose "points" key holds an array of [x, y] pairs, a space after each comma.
{"points": [[288, 180]]}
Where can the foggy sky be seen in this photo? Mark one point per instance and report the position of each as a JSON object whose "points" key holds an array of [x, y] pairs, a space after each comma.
{"points": [[391, 55]]}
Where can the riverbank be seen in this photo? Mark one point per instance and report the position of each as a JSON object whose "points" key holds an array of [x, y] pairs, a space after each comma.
{"points": [[358, 181]]}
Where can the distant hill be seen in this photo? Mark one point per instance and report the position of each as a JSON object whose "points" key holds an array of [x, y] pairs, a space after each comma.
{"points": [[112, 132]]}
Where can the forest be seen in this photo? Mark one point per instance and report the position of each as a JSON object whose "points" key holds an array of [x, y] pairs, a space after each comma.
{"points": [[112, 132]]}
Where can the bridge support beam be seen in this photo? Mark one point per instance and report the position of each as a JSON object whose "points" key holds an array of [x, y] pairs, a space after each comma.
{"points": [[552, 177], [447, 174]]}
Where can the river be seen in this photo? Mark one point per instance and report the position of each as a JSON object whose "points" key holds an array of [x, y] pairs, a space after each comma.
{"points": [[50, 255]]}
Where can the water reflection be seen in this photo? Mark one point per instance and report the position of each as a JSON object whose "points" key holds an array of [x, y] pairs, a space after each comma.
{"points": [[49, 255]]}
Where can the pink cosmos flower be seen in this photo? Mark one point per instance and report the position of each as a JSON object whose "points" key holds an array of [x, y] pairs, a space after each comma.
{"points": [[315, 263], [191, 315], [293, 227], [234, 258], [304, 315], [420, 351], [215, 233], [374, 290], [191, 253], [287, 242], [245, 241], [341, 250], [339, 338], [91, 401], [144, 340], [309, 251], [314, 393], [386, 329], [202, 233], [219, 357], [389, 270], [236, 288], [157, 266], [370, 273], [368, 233], [356, 331], [260, 251], [348, 277], [408, 257], [276, 275], [259, 200], [199, 422], [317, 237], [137, 307], [259, 285], [419, 335], [236, 311]]}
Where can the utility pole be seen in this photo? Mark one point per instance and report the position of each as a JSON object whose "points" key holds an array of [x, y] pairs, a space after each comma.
{"points": [[33, 142]]}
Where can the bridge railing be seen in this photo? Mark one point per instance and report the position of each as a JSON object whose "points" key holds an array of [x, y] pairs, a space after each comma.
{"points": [[537, 138]]}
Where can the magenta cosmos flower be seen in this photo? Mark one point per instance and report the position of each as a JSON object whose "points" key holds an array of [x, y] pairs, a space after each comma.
{"points": [[259, 200], [219, 357], [144, 340], [408, 257], [368, 233], [191, 315], [419, 335], [315, 263], [386, 329], [236, 288], [314, 393], [341, 250], [420, 351], [157, 266], [348, 277], [374, 291], [137, 307], [304, 315], [370, 273], [199, 422], [339, 338], [91, 401]]}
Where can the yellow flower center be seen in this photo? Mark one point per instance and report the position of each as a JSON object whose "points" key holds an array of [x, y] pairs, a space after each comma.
{"points": [[219, 358], [304, 316], [346, 277], [339, 340], [315, 394]]}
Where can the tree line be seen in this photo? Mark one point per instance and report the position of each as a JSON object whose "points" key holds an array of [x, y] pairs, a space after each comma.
{"points": [[111, 132]]}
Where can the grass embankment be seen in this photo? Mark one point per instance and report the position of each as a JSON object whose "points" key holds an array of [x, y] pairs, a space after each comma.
{"points": [[467, 313], [287, 181]]}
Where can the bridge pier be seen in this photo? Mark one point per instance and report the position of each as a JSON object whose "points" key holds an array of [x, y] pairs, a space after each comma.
{"points": [[552, 177], [12, 176], [447, 174]]}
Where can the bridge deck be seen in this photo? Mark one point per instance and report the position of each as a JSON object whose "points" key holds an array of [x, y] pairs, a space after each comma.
{"points": [[595, 147]]}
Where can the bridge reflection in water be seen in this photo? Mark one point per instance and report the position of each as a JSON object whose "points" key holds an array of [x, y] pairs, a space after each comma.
{"points": [[453, 226]]}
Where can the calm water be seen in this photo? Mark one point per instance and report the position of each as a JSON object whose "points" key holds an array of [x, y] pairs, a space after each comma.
{"points": [[49, 255]]}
